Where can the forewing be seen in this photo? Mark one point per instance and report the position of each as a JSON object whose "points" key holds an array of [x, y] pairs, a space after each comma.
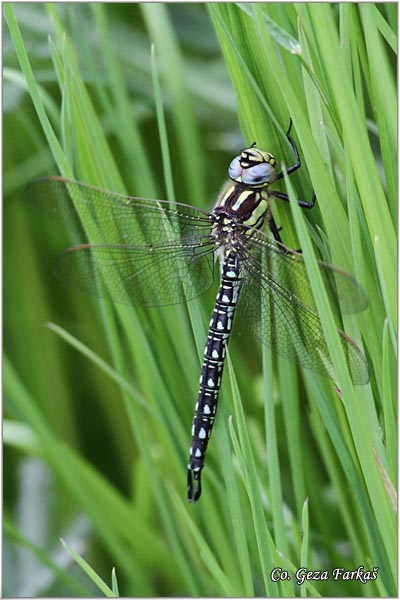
{"points": [[141, 251], [111, 218]]}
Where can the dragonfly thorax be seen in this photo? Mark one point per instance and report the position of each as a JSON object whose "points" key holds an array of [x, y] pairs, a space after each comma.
{"points": [[226, 231], [239, 205], [254, 167]]}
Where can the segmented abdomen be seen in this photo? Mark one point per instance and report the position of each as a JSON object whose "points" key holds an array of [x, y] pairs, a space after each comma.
{"points": [[211, 371]]}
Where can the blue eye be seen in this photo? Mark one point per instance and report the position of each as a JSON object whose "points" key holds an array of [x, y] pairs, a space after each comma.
{"points": [[235, 170], [257, 174]]}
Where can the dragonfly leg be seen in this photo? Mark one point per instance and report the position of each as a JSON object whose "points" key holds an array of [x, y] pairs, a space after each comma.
{"points": [[297, 164], [275, 229], [291, 170], [194, 491], [285, 197], [275, 232]]}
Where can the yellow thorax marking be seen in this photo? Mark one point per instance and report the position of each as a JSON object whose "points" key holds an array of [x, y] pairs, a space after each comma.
{"points": [[242, 198]]}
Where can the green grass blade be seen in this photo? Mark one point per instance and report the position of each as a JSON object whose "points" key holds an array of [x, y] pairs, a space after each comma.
{"points": [[188, 135], [34, 90], [90, 572], [304, 560]]}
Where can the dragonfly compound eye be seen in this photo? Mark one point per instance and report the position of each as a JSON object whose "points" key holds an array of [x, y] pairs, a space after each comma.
{"points": [[253, 167], [235, 169], [259, 174]]}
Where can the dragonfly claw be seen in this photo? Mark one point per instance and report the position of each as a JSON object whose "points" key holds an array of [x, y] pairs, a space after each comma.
{"points": [[194, 491]]}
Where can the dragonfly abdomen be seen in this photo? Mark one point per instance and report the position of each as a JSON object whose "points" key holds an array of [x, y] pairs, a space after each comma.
{"points": [[211, 371]]}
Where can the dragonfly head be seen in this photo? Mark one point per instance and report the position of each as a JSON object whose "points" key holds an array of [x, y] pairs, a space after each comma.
{"points": [[253, 167]]}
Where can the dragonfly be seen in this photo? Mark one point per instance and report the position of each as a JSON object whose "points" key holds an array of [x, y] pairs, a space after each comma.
{"points": [[148, 252]]}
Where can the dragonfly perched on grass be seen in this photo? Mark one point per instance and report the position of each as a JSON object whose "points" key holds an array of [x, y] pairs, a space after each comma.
{"points": [[156, 253]]}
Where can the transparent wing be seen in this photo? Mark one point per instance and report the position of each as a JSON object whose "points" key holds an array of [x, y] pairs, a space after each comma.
{"points": [[277, 305], [146, 252], [137, 274], [112, 218], [288, 267]]}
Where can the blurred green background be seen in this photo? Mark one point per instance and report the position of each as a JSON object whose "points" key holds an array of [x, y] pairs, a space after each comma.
{"points": [[95, 452]]}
